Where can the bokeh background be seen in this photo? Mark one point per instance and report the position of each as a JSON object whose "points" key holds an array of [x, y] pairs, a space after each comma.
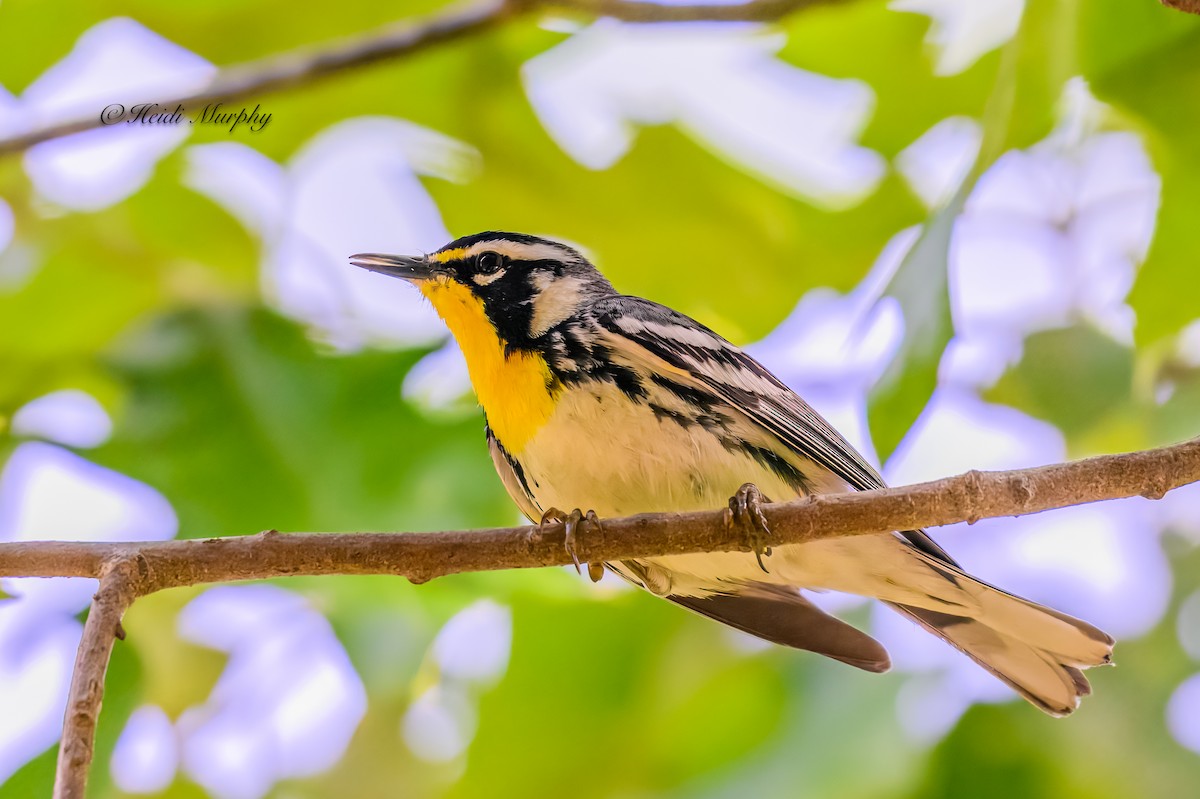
{"points": [[966, 231]]}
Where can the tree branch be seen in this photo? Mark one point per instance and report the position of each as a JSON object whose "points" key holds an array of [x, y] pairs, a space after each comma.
{"points": [[302, 66], [130, 570], [103, 626], [423, 556], [308, 65]]}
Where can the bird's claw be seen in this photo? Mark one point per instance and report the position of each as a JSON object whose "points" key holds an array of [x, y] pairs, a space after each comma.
{"points": [[571, 522], [745, 511]]}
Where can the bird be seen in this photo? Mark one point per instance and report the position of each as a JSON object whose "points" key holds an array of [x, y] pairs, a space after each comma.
{"points": [[608, 402]]}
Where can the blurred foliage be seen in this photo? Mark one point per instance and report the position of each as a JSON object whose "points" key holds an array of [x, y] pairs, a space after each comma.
{"points": [[318, 442], [246, 422], [1074, 377], [1141, 62]]}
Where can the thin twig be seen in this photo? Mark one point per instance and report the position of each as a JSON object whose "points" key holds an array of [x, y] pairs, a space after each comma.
{"points": [[309, 65], [423, 556], [117, 591], [297, 67], [633, 11]]}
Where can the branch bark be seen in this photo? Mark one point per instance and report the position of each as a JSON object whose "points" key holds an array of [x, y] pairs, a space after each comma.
{"points": [[129, 570], [423, 556], [103, 627], [1186, 6], [309, 65]]}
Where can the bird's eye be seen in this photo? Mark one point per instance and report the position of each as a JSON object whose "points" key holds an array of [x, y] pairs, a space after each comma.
{"points": [[489, 262]]}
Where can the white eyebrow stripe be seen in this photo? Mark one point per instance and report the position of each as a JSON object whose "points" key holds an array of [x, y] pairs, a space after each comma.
{"points": [[518, 251]]}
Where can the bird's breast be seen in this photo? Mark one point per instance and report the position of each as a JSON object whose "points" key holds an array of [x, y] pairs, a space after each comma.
{"points": [[515, 387], [601, 450]]}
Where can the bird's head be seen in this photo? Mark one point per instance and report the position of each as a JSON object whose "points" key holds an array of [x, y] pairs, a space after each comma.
{"points": [[521, 286]]}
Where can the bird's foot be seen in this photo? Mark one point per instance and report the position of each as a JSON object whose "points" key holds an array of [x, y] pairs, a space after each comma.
{"points": [[745, 511], [571, 522]]}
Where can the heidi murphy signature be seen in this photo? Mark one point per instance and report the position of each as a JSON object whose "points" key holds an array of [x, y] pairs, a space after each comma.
{"points": [[213, 114]]}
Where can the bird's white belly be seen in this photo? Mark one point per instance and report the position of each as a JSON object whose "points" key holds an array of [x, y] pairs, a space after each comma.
{"points": [[599, 451]]}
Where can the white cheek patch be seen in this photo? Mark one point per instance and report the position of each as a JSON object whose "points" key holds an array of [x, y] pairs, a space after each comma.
{"points": [[556, 300], [487, 280]]}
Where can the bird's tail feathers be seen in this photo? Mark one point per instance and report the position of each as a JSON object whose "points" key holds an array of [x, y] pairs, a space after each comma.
{"points": [[1037, 651]]}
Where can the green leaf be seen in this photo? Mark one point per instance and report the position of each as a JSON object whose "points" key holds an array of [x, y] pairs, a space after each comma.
{"points": [[1178, 418], [1075, 378], [35, 778], [1115, 37], [1143, 62], [920, 286]]}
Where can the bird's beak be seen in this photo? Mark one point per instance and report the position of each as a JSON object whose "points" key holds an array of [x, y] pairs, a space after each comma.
{"points": [[415, 268]]}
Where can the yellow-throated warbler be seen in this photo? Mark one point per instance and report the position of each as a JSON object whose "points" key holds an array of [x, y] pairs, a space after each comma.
{"points": [[598, 400]]}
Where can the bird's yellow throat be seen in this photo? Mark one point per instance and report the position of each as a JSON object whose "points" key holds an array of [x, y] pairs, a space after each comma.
{"points": [[515, 390]]}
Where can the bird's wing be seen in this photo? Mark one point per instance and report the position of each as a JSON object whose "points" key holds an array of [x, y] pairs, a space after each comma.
{"points": [[513, 478], [667, 342]]}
